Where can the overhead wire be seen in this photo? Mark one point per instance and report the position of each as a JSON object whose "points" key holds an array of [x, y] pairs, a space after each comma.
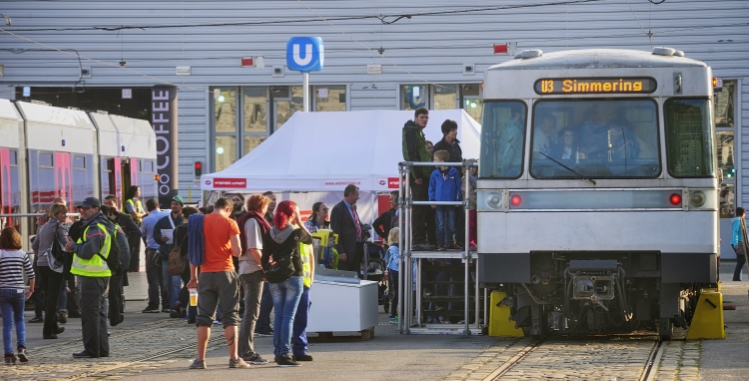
{"points": [[382, 18], [365, 46], [159, 80], [647, 34]]}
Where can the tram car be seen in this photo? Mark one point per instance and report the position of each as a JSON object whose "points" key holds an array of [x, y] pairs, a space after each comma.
{"points": [[48, 152], [598, 189]]}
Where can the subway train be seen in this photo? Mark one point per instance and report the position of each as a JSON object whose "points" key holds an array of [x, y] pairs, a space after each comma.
{"points": [[48, 152], [598, 189]]}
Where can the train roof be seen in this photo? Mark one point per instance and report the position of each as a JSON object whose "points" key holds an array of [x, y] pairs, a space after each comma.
{"points": [[11, 125], [597, 59]]}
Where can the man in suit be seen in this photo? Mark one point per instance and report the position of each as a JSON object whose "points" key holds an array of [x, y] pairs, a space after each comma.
{"points": [[345, 222]]}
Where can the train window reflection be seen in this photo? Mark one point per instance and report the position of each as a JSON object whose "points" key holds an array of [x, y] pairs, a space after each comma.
{"points": [[502, 140], [45, 159], [595, 138], [689, 138], [79, 162]]}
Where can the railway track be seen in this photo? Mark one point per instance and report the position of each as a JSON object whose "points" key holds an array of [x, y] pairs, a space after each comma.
{"points": [[611, 357]]}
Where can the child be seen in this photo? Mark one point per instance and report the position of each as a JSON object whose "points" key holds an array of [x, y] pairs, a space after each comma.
{"points": [[471, 193], [444, 185], [14, 263], [392, 259]]}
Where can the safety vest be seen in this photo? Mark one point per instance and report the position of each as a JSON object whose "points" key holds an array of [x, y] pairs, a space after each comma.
{"points": [[95, 267], [137, 206], [307, 254]]}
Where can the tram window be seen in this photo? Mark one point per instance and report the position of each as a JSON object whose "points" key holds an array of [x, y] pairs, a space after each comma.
{"points": [[727, 200], [79, 162], [147, 166], [502, 140], [595, 138], [13, 157], [45, 159], [689, 137]]}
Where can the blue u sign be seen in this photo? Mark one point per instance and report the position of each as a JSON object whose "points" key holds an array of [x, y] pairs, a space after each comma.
{"points": [[304, 54]]}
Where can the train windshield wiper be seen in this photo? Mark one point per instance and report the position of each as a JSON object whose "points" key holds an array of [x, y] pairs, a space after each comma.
{"points": [[568, 168]]}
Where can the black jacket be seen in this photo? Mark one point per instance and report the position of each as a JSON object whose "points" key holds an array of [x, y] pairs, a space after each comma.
{"points": [[343, 224], [289, 246], [383, 223], [165, 248], [128, 226], [456, 154]]}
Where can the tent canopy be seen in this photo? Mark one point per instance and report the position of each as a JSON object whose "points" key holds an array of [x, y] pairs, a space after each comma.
{"points": [[325, 151]]}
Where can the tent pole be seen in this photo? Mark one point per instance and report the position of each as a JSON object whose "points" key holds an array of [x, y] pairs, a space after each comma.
{"points": [[305, 90]]}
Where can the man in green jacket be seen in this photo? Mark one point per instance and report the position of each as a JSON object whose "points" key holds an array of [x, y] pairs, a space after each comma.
{"points": [[415, 149]]}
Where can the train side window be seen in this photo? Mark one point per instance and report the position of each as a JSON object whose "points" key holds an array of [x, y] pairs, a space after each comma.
{"points": [[13, 157], [502, 140], [46, 159], [689, 137], [79, 162]]}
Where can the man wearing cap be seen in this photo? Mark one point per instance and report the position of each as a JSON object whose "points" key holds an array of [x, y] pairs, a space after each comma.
{"points": [[162, 233], [90, 251]]}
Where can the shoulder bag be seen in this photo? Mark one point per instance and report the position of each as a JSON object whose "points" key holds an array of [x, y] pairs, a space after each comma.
{"points": [[177, 264], [283, 267]]}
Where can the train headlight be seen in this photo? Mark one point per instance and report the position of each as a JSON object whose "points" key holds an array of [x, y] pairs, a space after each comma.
{"points": [[697, 198], [494, 200]]}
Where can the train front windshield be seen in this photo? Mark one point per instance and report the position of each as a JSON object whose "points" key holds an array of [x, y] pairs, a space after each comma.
{"points": [[595, 138]]}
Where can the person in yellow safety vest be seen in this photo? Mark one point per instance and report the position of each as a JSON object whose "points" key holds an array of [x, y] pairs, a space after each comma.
{"points": [[132, 205], [91, 267], [299, 333]]}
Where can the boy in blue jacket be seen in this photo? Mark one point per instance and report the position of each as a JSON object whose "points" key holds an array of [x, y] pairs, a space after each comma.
{"points": [[444, 185]]}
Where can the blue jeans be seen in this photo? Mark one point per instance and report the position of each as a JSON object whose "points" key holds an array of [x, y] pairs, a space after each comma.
{"points": [[300, 324], [12, 304], [172, 284], [286, 297], [445, 224]]}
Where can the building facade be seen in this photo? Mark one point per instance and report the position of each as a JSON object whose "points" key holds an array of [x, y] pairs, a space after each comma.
{"points": [[380, 54]]}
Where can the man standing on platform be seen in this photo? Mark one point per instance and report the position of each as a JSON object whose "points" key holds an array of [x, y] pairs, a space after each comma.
{"points": [[344, 220], [89, 264], [415, 150]]}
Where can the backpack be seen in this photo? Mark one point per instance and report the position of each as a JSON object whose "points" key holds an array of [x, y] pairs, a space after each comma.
{"points": [[113, 259], [55, 254], [176, 264]]}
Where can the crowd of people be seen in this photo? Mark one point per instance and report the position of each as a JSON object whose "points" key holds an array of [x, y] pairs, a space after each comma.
{"points": [[253, 249]]}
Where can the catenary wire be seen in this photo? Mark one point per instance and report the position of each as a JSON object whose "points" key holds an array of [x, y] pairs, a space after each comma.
{"points": [[382, 18]]}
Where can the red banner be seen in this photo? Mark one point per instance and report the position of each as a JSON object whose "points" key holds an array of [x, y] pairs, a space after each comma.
{"points": [[230, 183]]}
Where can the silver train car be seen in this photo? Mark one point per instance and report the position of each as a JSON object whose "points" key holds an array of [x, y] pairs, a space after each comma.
{"points": [[598, 189], [48, 152]]}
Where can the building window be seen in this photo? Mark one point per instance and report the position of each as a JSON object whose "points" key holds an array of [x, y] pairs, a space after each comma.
{"points": [[243, 117], [287, 103], [226, 151], [329, 98], [725, 145], [443, 97], [414, 96]]}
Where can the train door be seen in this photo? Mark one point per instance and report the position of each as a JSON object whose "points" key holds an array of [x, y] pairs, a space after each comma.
{"points": [[10, 188], [116, 177], [63, 177], [129, 173]]}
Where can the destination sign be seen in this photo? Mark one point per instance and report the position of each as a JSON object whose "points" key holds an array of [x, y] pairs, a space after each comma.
{"points": [[595, 86]]}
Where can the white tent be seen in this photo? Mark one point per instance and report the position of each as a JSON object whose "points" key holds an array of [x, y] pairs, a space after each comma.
{"points": [[325, 151]]}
